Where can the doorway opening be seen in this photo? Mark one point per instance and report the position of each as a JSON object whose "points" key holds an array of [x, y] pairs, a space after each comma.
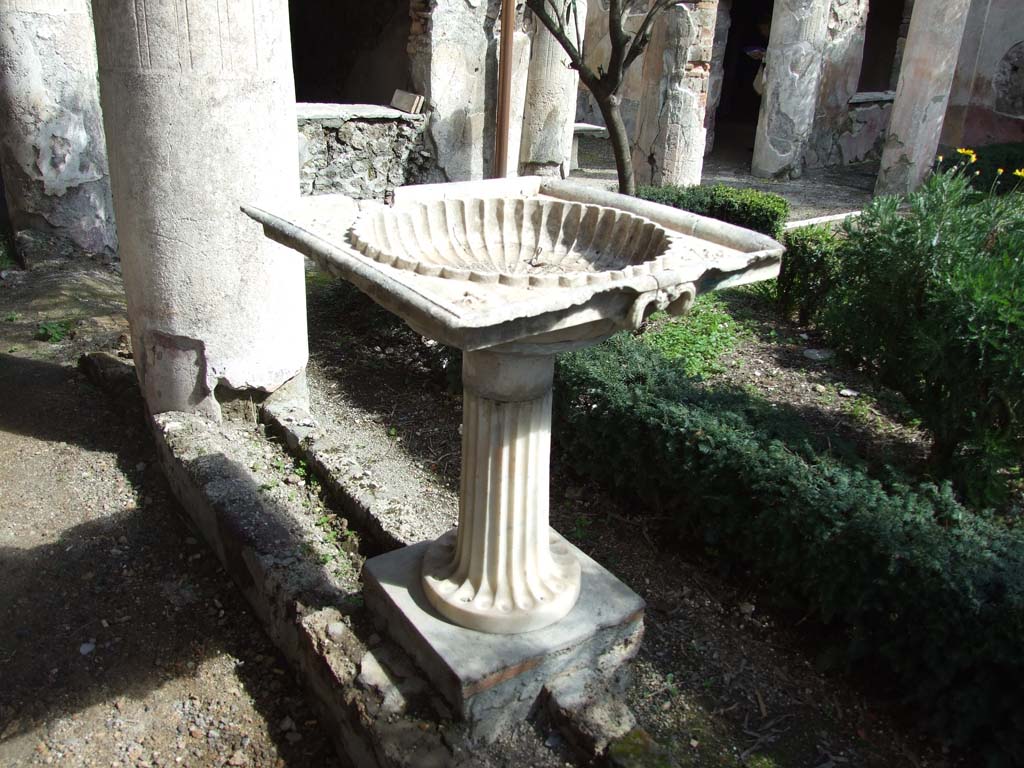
{"points": [[880, 70], [741, 67], [349, 51]]}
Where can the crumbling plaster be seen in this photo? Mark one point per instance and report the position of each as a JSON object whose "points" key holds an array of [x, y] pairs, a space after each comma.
{"points": [[52, 151], [670, 134]]}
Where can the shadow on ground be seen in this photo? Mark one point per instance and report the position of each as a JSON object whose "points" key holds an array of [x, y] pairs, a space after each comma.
{"points": [[118, 623]]}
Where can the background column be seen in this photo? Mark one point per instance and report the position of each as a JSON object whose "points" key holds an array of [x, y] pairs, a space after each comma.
{"points": [[199, 112], [929, 63], [792, 74], [52, 154], [551, 91]]}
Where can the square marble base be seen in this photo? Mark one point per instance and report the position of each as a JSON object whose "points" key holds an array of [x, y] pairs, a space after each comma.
{"points": [[488, 679]]}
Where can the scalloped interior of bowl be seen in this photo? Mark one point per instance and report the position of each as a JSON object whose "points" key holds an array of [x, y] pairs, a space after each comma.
{"points": [[511, 236]]}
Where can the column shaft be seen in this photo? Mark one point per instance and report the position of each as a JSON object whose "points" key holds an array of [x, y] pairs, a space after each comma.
{"points": [[199, 113], [792, 74], [926, 77]]}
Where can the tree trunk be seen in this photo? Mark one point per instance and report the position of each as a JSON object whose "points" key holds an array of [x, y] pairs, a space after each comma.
{"points": [[609, 106]]}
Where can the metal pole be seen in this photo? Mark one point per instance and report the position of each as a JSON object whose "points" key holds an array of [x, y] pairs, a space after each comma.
{"points": [[508, 20]]}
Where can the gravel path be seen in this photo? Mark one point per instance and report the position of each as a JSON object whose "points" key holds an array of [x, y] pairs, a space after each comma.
{"points": [[122, 642]]}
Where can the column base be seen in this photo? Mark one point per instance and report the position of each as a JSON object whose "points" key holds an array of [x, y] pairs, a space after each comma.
{"points": [[458, 601]]}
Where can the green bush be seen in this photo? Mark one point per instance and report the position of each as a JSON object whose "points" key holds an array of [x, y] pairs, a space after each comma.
{"points": [[921, 586], [808, 270], [760, 211], [930, 297], [984, 174]]}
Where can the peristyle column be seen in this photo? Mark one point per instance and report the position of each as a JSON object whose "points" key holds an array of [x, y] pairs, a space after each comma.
{"points": [[551, 91], [504, 570], [926, 78], [792, 72], [52, 152], [670, 136], [199, 113]]}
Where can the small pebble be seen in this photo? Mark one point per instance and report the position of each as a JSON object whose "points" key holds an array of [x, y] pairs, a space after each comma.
{"points": [[86, 648]]}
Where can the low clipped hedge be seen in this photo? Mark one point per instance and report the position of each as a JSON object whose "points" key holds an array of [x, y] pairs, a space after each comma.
{"points": [[925, 588], [760, 211]]}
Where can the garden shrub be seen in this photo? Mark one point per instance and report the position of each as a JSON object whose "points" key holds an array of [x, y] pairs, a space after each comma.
{"points": [[930, 297], [922, 586], [808, 270], [760, 211]]}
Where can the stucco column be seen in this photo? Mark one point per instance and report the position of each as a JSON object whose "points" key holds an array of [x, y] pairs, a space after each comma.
{"points": [[199, 114], [929, 63], [453, 55], [670, 134], [52, 153], [793, 70], [503, 570], [551, 92]]}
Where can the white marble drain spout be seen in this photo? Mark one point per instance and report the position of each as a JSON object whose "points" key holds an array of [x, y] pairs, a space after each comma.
{"points": [[503, 570]]}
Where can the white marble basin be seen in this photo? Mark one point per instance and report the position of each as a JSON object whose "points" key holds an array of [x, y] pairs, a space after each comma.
{"points": [[541, 243], [513, 272]]}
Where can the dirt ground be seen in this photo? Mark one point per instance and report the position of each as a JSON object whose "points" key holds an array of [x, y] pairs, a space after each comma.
{"points": [[122, 642]]}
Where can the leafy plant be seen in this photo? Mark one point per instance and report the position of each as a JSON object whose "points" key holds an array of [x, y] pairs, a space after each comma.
{"points": [[809, 269], [992, 168], [697, 340], [930, 297], [54, 331]]}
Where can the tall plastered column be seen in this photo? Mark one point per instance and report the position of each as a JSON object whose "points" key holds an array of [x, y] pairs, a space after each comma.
{"points": [[670, 135], [929, 63], [199, 113], [551, 91], [52, 153], [793, 70]]}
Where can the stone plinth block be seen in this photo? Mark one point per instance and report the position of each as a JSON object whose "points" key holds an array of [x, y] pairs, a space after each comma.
{"points": [[488, 679]]}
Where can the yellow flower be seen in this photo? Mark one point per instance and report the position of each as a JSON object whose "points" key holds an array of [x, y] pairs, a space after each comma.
{"points": [[1019, 172], [1000, 171], [970, 154]]}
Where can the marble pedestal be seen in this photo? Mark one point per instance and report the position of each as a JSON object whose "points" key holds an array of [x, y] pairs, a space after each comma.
{"points": [[491, 680]]}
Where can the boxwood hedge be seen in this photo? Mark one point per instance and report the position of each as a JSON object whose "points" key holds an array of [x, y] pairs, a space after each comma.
{"points": [[919, 584]]}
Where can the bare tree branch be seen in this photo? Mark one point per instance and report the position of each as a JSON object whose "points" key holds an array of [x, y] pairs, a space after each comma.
{"points": [[557, 30]]}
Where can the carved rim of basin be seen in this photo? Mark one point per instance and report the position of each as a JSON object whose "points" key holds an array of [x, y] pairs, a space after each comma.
{"points": [[513, 241]]}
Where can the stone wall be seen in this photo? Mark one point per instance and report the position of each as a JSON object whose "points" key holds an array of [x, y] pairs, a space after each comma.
{"points": [[360, 150], [987, 100]]}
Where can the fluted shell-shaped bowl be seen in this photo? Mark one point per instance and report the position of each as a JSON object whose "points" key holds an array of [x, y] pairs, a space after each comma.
{"points": [[513, 241]]}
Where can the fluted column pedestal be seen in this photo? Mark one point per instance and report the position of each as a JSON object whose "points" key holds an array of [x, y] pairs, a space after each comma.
{"points": [[503, 570]]}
